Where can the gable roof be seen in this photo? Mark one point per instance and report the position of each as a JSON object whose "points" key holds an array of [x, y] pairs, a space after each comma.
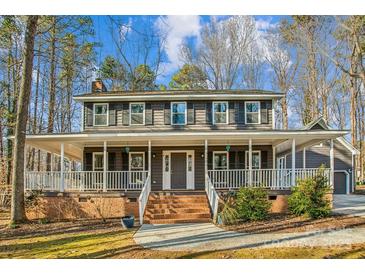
{"points": [[320, 123], [155, 95]]}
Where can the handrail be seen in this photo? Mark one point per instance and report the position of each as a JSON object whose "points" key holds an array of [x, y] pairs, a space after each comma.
{"points": [[143, 198], [213, 197]]}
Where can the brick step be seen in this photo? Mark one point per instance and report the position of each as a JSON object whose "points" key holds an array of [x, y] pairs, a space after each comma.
{"points": [[177, 200], [176, 205], [179, 193], [178, 210], [177, 221], [177, 216]]}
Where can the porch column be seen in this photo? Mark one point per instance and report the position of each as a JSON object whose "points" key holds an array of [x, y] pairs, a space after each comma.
{"points": [[293, 162], [62, 182], [274, 157], [149, 159], [206, 161], [52, 163], [250, 162], [304, 158], [105, 167], [332, 165]]}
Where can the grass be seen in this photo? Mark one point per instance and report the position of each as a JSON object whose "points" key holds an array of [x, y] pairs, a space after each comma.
{"points": [[93, 239]]}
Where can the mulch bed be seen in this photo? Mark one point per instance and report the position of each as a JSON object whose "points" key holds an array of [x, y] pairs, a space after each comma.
{"points": [[284, 223]]}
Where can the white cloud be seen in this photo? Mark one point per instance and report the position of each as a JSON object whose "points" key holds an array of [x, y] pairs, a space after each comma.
{"points": [[177, 29], [264, 25]]}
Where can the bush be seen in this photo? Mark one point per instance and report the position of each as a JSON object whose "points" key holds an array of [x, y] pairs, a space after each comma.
{"points": [[252, 204], [308, 198], [228, 214]]}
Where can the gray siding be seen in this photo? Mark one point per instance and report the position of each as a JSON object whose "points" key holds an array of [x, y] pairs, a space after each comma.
{"points": [[199, 109], [156, 164]]}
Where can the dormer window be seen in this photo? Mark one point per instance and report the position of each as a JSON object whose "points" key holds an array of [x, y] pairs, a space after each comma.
{"points": [[137, 113], [101, 114], [220, 113], [252, 112], [178, 113]]}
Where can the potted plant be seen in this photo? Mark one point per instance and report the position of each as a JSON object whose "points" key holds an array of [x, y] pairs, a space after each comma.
{"points": [[128, 221]]}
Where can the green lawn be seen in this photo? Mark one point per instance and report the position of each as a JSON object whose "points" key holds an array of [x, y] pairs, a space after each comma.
{"points": [[97, 240]]}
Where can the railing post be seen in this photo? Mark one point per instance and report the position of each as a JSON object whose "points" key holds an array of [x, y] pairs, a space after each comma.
{"points": [[293, 162], [250, 162], [105, 167], [332, 164], [206, 162], [149, 158], [62, 182], [304, 158]]}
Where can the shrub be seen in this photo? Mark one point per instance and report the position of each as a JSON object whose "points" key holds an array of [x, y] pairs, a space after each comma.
{"points": [[252, 204], [308, 198], [228, 214]]}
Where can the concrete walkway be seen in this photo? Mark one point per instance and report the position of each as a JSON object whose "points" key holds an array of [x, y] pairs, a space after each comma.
{"points": [[208, 237], [349, 204]]}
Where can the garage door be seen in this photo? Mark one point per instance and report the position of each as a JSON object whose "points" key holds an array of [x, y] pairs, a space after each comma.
{"points": [[340, 183]]}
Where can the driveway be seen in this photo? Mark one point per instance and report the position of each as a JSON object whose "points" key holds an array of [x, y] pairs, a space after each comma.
{"points": [[208, 237], [349, 204]]}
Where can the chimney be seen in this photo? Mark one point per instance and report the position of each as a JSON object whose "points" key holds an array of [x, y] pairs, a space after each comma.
{"points": [[98, 86]]}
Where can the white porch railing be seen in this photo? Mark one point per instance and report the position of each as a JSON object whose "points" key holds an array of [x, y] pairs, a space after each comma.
{"points": [[143, 198], [266, 178], [85, 180], [213, 197]]}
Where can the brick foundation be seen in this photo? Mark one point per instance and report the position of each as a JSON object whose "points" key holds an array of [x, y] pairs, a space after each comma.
{"points": [[83, 207]]}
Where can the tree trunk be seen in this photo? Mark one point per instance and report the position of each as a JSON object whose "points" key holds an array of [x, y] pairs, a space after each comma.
{"points": [[17, 201], [52, 86]]}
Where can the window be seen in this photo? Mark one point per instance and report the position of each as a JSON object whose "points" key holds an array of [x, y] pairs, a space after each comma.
{"points": [[98, 161], [220, 160], [220, 113], [101, 114], [178, 113], [137, 113], [256, 159], [281, 163], [136, 161], [252, 110]]}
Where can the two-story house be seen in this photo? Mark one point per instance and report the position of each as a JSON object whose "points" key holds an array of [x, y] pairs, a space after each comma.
{"points": [[141, 149]]}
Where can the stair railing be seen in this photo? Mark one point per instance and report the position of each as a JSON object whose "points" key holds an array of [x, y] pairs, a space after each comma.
{"points": [[143, 198], [213, 197]]}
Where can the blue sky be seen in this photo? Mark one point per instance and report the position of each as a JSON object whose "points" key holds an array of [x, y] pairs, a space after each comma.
{"points": [[181, 28]]}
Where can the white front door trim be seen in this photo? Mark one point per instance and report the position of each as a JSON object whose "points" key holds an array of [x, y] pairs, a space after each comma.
{"points": [[166, 171]]}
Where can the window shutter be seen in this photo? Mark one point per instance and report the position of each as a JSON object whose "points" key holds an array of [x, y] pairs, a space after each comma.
{"points": [[241, 112], [111, 161], [241, 160], [264, 113], [125, 161], [232, 159], [264, 163], [89, 114], [191, 116], [231, 113], [167, 113], [88, 161], [125, 114], [148, 114], [209, 113], [210, 160], [112, 116]]}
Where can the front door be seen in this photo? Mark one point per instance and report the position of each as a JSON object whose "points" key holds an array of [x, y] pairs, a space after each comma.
{"points": [[178, 171]]}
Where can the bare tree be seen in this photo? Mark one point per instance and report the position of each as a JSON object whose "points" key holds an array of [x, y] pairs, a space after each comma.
{"points": [[17, 205]]}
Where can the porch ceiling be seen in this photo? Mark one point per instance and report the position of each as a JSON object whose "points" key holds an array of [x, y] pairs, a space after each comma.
{"points": [[75, 142]]}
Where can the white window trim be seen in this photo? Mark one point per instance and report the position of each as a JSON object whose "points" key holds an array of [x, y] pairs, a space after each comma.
{"points": [[172, 113], [100, 153], [107, 114], [247, 156], [259, 112], [221, 152], [227, 112], [130, 160], [144, 113]]}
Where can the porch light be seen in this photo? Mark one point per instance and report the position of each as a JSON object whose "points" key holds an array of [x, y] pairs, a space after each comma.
{"points": [[228, 147], [126, 149], [202, 155], [153, 155]]}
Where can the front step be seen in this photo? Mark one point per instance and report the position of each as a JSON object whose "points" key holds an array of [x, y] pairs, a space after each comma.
{"points": [[177, 207]]}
